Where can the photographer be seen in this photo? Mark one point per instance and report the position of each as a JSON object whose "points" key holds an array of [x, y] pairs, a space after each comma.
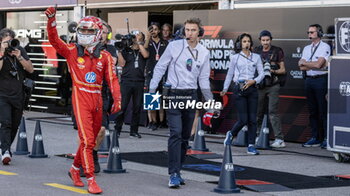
{"points": [[274, 71], [156, 47], [13, 64], [133, 60]]}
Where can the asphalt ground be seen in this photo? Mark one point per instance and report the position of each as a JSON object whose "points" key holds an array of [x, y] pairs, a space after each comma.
{"points": [[48, 176]]}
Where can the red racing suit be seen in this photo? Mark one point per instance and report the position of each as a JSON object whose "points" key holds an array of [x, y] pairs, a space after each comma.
{"points": [[87, 74]]}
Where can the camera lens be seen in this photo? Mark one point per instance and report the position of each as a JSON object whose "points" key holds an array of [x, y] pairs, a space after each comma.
{"points": [[267, 69]]}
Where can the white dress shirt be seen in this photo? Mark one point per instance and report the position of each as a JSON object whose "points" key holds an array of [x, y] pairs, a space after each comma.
{"points": [[322, 50], [186, 67], [244, 68]]}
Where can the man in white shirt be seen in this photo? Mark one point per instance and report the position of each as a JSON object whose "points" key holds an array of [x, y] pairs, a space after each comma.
{"points": [[313, 62], [187, 63]]}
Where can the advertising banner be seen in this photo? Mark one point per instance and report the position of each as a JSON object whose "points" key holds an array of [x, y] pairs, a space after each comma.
{"points": [[23, 4], [342, 29]]}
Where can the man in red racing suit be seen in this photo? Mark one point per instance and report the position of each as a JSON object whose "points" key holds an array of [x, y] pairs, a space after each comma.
{"points": [[88, 67]]}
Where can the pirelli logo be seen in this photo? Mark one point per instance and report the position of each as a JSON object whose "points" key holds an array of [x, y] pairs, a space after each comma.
{"points": [[212, 31]]}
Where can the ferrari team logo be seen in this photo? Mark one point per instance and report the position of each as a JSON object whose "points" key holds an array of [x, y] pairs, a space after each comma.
{"points": [[81, 60]]}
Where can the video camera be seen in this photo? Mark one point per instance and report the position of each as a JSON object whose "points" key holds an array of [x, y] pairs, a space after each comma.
{"points": [[13, 44], [123, 42]]}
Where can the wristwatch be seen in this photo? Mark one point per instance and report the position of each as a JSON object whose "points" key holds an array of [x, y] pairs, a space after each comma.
{"points": [[20, 58], [140, 43]]}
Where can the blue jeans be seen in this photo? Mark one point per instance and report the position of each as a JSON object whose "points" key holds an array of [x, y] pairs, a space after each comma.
{"points": [[247, 106], [316, 90]]}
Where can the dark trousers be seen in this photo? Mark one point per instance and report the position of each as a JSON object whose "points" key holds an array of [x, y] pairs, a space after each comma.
{"points": [[134, 91], [269, 99], [246, 104], [10, 118], [316, 90], [180, 124]]}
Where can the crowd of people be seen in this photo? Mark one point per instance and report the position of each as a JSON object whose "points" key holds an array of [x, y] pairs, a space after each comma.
{"points": [[151, 61]]}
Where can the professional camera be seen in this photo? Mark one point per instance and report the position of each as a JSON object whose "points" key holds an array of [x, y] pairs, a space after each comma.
{"points": [[269, 79], [267, 74], [12, 45], [123, 42]]}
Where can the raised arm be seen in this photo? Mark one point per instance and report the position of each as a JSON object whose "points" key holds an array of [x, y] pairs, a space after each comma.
{"points": [[61, 47]]}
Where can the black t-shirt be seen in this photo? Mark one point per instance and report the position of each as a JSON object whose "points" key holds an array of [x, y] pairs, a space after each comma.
{"points": [[152, 61], [12, 75], [111, 49], [130, 72], [275, 55]]}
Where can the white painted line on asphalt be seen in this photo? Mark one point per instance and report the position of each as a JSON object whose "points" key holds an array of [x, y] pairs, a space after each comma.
{"points": [[68, 188]]}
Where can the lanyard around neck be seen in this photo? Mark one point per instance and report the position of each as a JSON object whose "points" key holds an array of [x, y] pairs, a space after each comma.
{"points": [[250, 59], [313, 52], [136, 55], [156, 46], [194, 57]]}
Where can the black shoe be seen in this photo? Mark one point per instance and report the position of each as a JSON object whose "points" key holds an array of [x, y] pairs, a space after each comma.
{"points": [[135, 135], [150, 124], [192, 138], [96, 163], [154, 126], [163, 125]]}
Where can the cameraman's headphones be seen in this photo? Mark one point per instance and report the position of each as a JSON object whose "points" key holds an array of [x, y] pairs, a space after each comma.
{"points": [[198, 22], [238, 43], [319, 30]]}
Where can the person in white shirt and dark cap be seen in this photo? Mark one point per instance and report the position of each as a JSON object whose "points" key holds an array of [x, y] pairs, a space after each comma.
{"points": [[243, 66], [187, 63], [314, 63]]}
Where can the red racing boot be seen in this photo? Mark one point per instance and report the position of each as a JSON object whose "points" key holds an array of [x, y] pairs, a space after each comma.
{"points": [[93, 186], [75, 176]]}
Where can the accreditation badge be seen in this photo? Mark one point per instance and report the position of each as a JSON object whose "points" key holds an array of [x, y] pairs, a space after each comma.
{"points": [[189, 63]]}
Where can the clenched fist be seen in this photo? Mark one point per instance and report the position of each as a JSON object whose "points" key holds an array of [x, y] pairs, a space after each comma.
{"points": [[50, 12]]}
